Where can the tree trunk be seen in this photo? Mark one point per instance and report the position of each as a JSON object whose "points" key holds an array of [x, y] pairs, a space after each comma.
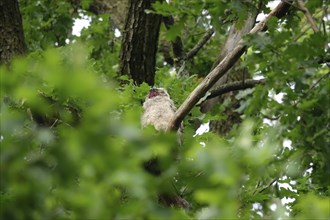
{"points": [[11, 31], [139, 43]]}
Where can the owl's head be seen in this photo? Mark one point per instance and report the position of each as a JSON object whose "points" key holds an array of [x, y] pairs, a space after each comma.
{"points": [[154, 92]]}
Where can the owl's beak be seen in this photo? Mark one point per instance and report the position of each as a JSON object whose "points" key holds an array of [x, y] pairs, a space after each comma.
{"points": [[153, 92]]}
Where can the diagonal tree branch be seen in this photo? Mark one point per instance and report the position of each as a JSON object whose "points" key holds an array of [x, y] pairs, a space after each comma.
{"points": [[235, 34], [220, 70], [234, 86], [308, 15], [200, 44]]}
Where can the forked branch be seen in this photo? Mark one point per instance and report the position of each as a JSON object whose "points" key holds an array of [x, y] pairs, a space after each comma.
{"points": [[221, 69]]}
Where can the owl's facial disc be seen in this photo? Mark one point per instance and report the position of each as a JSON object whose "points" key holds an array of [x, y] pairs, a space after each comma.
{"points": [[153, 93]]}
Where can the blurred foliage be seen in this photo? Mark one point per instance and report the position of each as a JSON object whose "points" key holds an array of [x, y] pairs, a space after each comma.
{"points": [[72, 146], [46, 23]]}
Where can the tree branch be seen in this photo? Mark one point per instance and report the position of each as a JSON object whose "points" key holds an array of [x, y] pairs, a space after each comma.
{"points": [[318, 81], [200, 44], [266, 187], [220, 70], [234, 86], [308, 15], [177, 46]]}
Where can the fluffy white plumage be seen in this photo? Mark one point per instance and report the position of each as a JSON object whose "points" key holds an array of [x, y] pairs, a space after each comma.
{"points": [[158, 109]]}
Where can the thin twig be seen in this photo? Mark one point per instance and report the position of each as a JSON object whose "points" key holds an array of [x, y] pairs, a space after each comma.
{"points": [[54, 123], [200, 44], [289, 2], [266, 187], [317, 82], [324, 15], [306, 27], [234, 86], [312, 87], [302, 33], [269, 117], [308, 15]]}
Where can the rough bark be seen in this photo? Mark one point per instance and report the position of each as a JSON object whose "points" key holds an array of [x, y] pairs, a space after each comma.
{"points": [[139, 42], [12, 41]]}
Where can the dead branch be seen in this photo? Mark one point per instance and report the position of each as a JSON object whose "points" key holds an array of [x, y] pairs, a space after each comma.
{"points": [[234, 86], [220, 70]]}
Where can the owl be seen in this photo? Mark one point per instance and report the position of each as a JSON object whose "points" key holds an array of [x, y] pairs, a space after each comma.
{"points": [[158, 109]]}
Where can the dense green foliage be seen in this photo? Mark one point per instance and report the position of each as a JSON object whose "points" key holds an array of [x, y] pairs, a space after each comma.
{"points": [[72, 146]]}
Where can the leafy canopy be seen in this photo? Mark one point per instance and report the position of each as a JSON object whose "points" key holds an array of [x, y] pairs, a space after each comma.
{"points": [[72, 146]]}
